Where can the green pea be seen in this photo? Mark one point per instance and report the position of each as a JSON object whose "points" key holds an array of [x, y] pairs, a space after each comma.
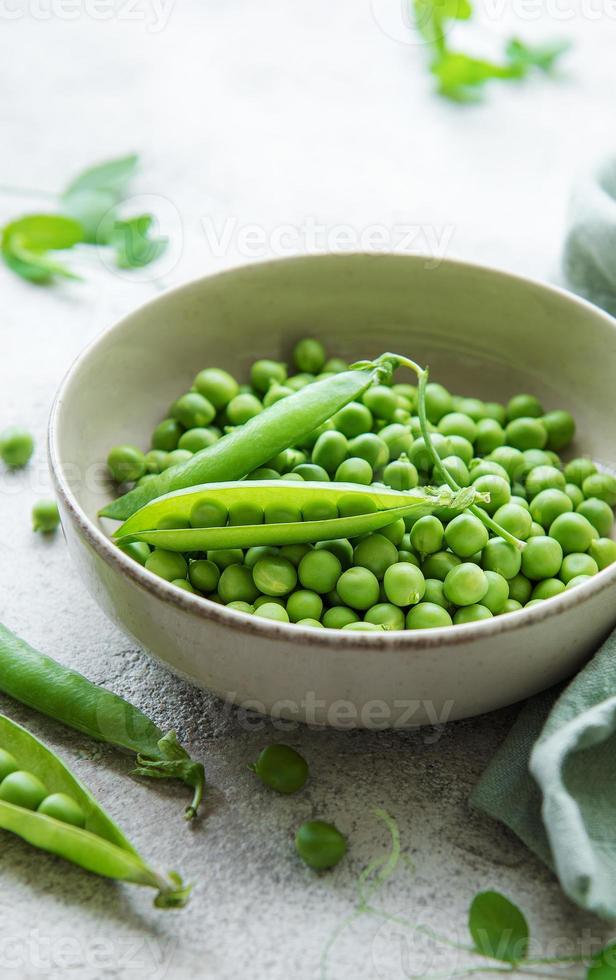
{"points": [[497, 594], [273, 611], [502, 557], [533, 602], [253, 555], [319, 571], [62, 807], [239, 606], [174, 457], [45, 516], [541, 558], [155, 460], [573, 532], [548, 505], [515, 519], [22, 789], [184, 584], [461, 448], [578, 469], [439, 565], [400, 474], [225, 556], [137, 550], [465, 584], [548, 588], [520, 588], [335, 365], [313, 623], [312, 473], [266, 600], [208, 512], [498, 489], [263, 473], [577, 564], [427, 535], [353, 419], [394, 532], [404, 584], [370, 447], [427, 615], [544, 478], [536, 530], [526, 433], [166, 435], [8, 764], [473, 407], [512, 605], [496, 411], [487, 467], [421, 456], [601, 485], [457, 468], [330, 450], [471, 614], [512, 460], [490, 435], [242, 408], [465, 535], [309, 355], [523, 406], [603, 550], [294, 552], [218, 386], [264, 372], [281, 768], [578, 580], [358, 587], [126, 463], [397, 438], [560, 426], [298, 381], [16, 447], [387, 615], [320, 845], [281, 513], [236, 584], [274, 576], [458, 424], [599, 514], [304, 604], [381, 401], [275, 393], [166, 564], [339, 616], [354, 470], [245, 512], [575, 494], [193, 410], [435, 593], [376, 553], [194, 440], [340, 547]]}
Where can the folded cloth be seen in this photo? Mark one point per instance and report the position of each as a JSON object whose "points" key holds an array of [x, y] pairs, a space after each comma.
{"points": [[589, 260], [553, 782]]}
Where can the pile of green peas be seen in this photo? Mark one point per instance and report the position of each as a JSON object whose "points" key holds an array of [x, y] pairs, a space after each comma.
{"points": [[439, 570], [24, 789]]}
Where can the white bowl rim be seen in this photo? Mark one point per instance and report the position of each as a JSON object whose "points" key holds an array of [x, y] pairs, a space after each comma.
{"points": [[443, 637]]}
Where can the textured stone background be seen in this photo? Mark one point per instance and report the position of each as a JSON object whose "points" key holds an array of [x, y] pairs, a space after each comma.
{"points": [[265, 114]]}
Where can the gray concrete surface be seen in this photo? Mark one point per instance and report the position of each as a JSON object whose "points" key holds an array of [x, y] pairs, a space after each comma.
{"points": [[283, 117]]}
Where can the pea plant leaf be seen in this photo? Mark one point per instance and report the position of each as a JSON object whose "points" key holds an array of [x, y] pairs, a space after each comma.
{"points": [[27, 241], [541, 56], [93, 195], [498, 928], [134, 246], [603, 964]]}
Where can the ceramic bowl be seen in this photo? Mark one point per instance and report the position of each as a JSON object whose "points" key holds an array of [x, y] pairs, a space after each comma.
{"points": [[482, 332]]}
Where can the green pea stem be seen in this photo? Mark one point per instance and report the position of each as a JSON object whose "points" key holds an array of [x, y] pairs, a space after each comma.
{"points": [[445, 476]]}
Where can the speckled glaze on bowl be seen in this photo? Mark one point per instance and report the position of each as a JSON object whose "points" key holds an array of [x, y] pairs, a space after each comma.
{"points": [[482, 332]]}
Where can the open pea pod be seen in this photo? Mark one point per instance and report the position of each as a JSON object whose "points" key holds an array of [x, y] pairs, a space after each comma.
{"points": [[360, 510], [99, 846]]}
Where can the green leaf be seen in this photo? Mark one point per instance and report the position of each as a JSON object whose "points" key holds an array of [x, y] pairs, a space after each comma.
{"points": [[92, 196], [603, 964], [134, 246], [113, 175], [498, 927], [25, 244], [459, 75], [541, 56]]}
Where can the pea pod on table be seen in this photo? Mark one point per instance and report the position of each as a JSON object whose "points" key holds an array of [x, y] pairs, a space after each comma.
{"points": [[39, 682], [259, 439], [43, 803]]}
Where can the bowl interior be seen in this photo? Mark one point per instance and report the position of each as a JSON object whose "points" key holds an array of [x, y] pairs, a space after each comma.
{"points": [[482, 333]]}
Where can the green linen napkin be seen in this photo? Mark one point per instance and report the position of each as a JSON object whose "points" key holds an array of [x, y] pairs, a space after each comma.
{"points": [[589, 260], [553, 782]]}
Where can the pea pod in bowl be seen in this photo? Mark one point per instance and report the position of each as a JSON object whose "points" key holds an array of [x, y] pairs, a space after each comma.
{"points": [[45, 804]]}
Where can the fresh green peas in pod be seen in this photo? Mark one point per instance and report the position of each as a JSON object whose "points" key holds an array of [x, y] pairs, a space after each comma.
{"points": [[155, 459], [465, 535], [370, 447], [166, 564], [137, 550], [515, 519], [490, 435], [520, 588], [245, 512], [45, 516], [487, 467], [578, 580], [62, 807], [471, 614], [274, 576], [330, 450], [294, 552], [8, 764], [465, 584], [435, 593], [239, 606], [223, 557], [203, 575], [548, 588], [354, 470], [375, 552], [338, 617], [561, 429], [603, 550], [126, 463], [473, 407], [512, 605], [22, 789], [461, 448], [526, 433], [404, 584], [548, 505], [166, 435], [438, 402], [575, 564], [573, 532], [541, 558], [497, 594], [387, 615], [319, 571], [208, 512], [273, 611], [242, 408], [523, 406], [544, 478], [512, 460], [578, 469], [458, 424], [171, 522], [439, 565], [193, 410], [264, 371], [599, 514], [320, 845], [601, 485], [575, 494], [351, 505], [496, 411], [237, 584], [400, 474], [304, 604], [427, 615], [309, 355], [457, 469], [176, 456], [426, 535], [276, 393], [218, 386], [281, 513], [381, 401], [312, 473], [353, 419], [397, 438], [340, 547], [281, 768], [499, 490], [420, 455], [502, 557], [358, 587], [394, 532], [183, 583], [16, 447]]}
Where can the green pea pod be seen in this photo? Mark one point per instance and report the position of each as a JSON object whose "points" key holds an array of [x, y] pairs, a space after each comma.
{"points": [[39, 682], [99, 846], [260, 439], [380, 508]]}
